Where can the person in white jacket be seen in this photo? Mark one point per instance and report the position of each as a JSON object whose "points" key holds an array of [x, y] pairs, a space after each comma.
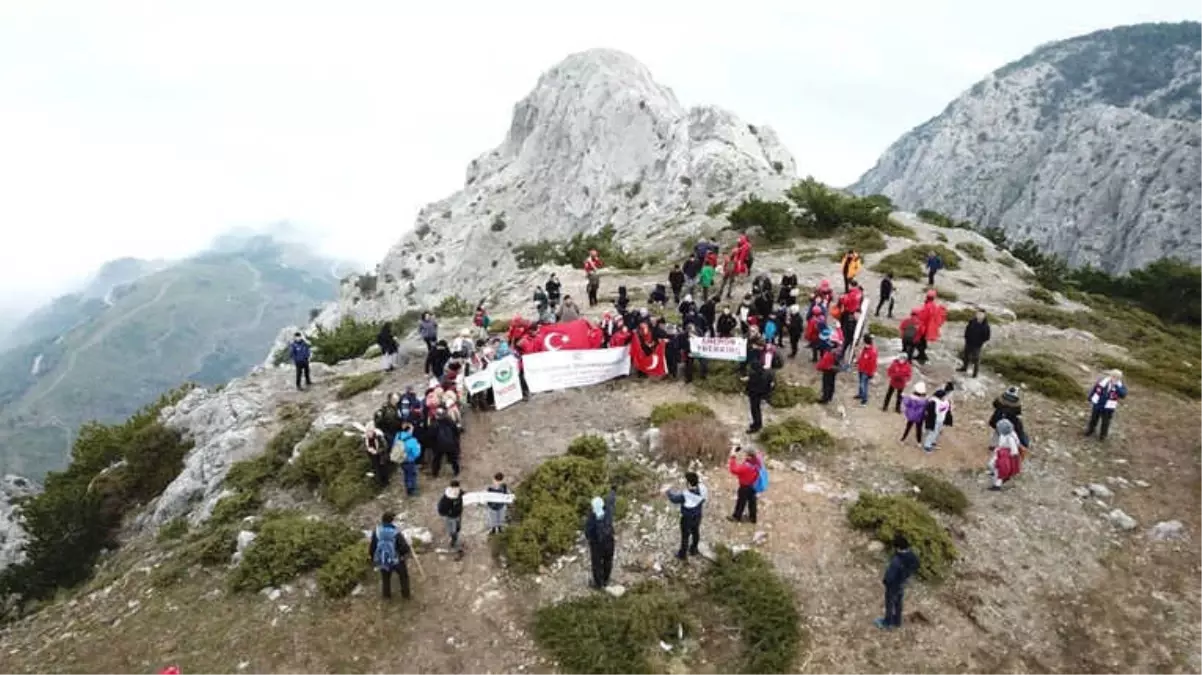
{"points": [[1006, 459], [691, 501]]}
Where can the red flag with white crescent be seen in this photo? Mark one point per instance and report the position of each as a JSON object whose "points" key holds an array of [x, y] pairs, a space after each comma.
{"points": [[578, 334], [649, 355]]}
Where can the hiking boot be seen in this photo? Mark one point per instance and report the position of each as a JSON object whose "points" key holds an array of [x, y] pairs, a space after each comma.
{"points": [[680, 555], [694, 551], [733, 519], [995, 488], [880, 623]]}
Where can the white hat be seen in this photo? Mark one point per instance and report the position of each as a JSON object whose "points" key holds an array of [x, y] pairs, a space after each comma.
{"points": [[433, 383], [920, 388]]}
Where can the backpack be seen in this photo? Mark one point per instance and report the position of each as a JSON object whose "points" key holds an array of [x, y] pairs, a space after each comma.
{"points": [[386, 557], [910, 332], [761, 479]]}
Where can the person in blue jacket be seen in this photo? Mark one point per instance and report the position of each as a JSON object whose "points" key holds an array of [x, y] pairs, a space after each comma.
{"points": [[1104, 400], [406, 452], [299, 352], [691, 501], [902, 566]]}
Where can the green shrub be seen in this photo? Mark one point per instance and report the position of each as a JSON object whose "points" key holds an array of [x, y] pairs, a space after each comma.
{"points": [[666, 412], [336, 466], [794, 434], [250, 474], [357, 384], [498, 326], [453, 306], [773, 218], [941, 237], [1005, 260], [588, 446], [1036, 371], [716, 209], [699, 438], [939, 220], [938, 493], [864, 240], [762, 606], [888, 515], [575, 250], [289, 545], [972, 250], [344, 570], [498, 224], [348, 340], [281, 356], [211, 546], [723, 378], [548, 508], [947, 294], [910, 263], [785, 395], [1165, 374], [601, 634], [172, 530], [884, 330], [1041, 294], [235, 507], [826, 210]]}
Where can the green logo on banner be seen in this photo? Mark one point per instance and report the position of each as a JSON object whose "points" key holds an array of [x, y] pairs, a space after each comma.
{"points": [[503, 374]]}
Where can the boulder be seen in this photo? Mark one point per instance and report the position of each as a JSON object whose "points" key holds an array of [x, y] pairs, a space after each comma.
{"points": [[1121, 520], [1100, 491], [1167, 529]]}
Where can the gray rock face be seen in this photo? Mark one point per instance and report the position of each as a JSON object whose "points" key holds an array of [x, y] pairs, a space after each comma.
{"points": [[597, 142], [12, 534], [1089, 147]]}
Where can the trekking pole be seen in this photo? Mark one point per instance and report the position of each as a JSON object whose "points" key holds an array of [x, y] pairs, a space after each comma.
{"points": [[418, 562]]}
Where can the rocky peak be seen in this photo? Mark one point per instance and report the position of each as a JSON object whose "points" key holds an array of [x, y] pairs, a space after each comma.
{"points": [[1087, 146], [597, 142]]}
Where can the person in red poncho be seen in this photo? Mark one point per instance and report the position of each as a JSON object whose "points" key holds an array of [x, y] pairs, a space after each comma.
{"points": [[741, 255], [813, 328], [911, 329], [899, 374], [621, 336], [647, 345], [932, 315]]}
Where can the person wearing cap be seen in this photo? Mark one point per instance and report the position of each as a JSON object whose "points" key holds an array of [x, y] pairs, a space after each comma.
{"points": [[1005, 461], [599, 532], [1104, 400], [299, 352], [976, 334], [1008, 407], [914, 407], [899, 373]]}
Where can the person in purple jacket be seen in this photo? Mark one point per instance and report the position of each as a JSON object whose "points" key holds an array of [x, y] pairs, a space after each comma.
{"points": [[913, 406]]}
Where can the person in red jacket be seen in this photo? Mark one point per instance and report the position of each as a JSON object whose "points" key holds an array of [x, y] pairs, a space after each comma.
{"points": [[591, 266], [747, 471], [622, 337], [813, 329], [866, 365], [899, 373], [828, 365], [911, 330], [932, 315]]}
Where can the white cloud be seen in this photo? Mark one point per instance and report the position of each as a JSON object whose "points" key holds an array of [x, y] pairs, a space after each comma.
{"points": [[132, 128]]}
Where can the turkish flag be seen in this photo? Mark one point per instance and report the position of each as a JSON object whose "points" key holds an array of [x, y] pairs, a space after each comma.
{"points": [[578, 334], [649, 359]]}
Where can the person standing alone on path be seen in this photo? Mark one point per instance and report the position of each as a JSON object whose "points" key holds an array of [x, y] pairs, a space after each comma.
{"points": [[976, 334], [388, 346], [866, 366], [388, 550], [691, 501], [592, 267], [599, 531], [760, 382], [496, 511], [886, 295], [747, 471], [934, 264], [300, 353], [676, 282], [428, 329], [902, 566], [1104, 399], [450, 508]]}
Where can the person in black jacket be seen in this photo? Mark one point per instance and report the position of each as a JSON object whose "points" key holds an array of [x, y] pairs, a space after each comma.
{"points": [[902, 566], [976, 334], [450, 507], [692, 267], [599, 531], [676, 282], [787, 283], [671, 348], [726, 324], [445, 436], [691, 501], [439, 358], [686, 355], [387, 551], [388, 346], [706, 314], [554, 289], [796, 326], [759, 383], [886, 295]]}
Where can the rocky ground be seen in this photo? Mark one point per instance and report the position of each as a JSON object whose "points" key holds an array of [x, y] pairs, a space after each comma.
{"points": [[1050, 579]]}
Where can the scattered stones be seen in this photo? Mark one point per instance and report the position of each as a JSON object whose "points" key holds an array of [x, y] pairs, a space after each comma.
{"points": [[1122, 520], [616, 590], [797, 466], [1100, 491], [1167, 529], [706, 551], [271, 593], [759, 538], [421, 535], [876, 546], [653, 440], [1081, 492], [357, 590]]}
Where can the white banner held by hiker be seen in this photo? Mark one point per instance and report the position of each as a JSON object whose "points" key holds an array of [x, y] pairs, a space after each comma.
{"points": [[548, 371], [718, 348], [506, 385]]}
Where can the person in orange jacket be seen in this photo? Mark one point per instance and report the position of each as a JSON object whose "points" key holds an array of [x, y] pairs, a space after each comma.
{"points": [[899, 374], [866, 365]]}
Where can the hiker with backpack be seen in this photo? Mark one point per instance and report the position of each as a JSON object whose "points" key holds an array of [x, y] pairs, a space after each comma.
{"points": [[1104, 401], [914, 408], [828, 365], [747, 471], [599, 532], [1009, 407], [407, 451], [450, 509], [388, 347], [428, 329], [299, 352], [902, 566], [497, 510], [934, 264], [387, 551], [481, 320], [691, 501]]}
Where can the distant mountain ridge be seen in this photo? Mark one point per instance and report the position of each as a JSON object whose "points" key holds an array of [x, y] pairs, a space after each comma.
{"points": [[1088, 146], [138, 328]]}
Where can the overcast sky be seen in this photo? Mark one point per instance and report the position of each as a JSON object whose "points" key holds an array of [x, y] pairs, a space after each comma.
{"points": [[145, 128]]}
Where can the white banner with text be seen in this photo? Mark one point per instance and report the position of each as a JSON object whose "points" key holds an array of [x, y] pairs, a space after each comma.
{"points": [[548, 371], [718, 348]]}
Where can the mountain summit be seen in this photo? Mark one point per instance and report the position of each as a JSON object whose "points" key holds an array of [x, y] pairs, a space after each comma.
{"points": [[597, 142], [1088, 146]]}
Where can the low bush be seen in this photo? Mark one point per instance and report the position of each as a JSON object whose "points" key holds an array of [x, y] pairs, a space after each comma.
{"points": [[344, 570], [454, 306], [972, 250], [289, 545], [911, 262], [763, 607], [630, 478], [602, 634], [887, 515], [774, 219], [250, 474], [864, 240], [588, 446], [1036, 371], [941, 237], [667, 412], [235, 507], [336, 466], [357, 384], [884, 330], [939, 220], [694, 438], [212, 546], [938, 493], [1041, 294], [575, 250], [723, 378], [348, 340], [1006, 260], [785, 395], [548, 508], [498, 326], [794, 434], [716, 209], [173, 529], [947, 294]]}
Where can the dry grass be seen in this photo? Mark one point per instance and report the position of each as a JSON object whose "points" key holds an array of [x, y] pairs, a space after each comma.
{"points": [[703, 439]]}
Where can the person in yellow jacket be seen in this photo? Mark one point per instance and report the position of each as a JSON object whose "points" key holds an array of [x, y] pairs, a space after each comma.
{"points": [[852, 262]]}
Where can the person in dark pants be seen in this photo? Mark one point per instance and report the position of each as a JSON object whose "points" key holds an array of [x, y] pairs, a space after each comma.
{"points": [[1104, 400], [747, 472], [976, 334], [388, 550], [377, 453], [299, 351], [676, 281], [902, 566], [599, 531], [691, 501], [691, 361], [450, 509], [934, 264], [759, 384], [446, 443], [828, 365], [886, 295], [428, 329]]}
